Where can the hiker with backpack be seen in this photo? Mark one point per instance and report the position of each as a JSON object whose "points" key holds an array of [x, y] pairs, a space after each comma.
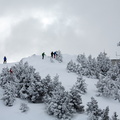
{"points": [[43, 55], [52, 54], [4, 59]]}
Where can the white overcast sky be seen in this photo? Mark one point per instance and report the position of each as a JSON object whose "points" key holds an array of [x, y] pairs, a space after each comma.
{"points": [[30, 27]]}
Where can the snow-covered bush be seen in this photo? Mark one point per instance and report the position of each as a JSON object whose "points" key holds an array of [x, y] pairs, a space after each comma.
{"points": [[63, 104], [59, 105], [29, 84], [109, 85], [103, 64], [54, 86], [84, 64], [115, 116], [24, 107], [105, 114], [59, 57], [6, 76], [73, 67], [92, 110], [75, 100], [88, 66], [80, 85], [9, 94], [95, 113], [47, 85], [92, 67], [82, 60]]}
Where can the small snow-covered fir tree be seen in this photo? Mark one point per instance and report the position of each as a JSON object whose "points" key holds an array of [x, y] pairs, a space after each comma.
{"points": [[113, 72], [55, 87], [92, 67], [70, 66], [103, 63], [73, 67], [92, 110], [80, 85], [9, 94], [47, 85], [115, 116], [105, 114], [75, 100], [82, 60], [24, 107], [59, 105], [59, 57], [103, 86], [57, 84]]}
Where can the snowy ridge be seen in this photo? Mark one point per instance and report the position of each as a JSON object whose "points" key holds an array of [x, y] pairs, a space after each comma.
{"points": [[45, 67]]}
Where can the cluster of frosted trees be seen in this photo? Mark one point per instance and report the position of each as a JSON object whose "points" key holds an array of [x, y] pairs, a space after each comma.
{"points": [[89, 66], [108, 74], [27, 84], [95, 113]]}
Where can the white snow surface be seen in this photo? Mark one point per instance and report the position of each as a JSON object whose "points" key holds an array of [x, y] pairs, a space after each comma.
{"points": [[38, 111]]}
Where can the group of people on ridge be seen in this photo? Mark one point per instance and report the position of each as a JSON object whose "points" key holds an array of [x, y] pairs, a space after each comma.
{"points": [[53, 54]]}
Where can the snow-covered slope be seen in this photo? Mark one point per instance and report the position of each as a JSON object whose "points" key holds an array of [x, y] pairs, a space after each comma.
{"points": [[45, 67]]}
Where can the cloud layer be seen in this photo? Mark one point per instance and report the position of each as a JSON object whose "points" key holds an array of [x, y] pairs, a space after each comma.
{"points": [[74, 27]]}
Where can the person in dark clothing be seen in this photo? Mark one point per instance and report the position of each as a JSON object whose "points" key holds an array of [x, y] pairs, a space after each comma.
{"points": [[5, 59], [43, 55], [52, 54]]}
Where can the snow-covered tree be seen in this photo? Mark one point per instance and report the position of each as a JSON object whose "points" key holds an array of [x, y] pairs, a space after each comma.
{"points": [[59, 57], [92, 67], [92, 110], [109, 85], [70, 66], [113, 72], [73, 67], [115, 116], [84, 64], [80, 85], [47, 85], [57, 85], [6, 76], [28, 86], [102, 86], [59, 105], [9, 94], [105, 114], [75, 100], [103, 63]]}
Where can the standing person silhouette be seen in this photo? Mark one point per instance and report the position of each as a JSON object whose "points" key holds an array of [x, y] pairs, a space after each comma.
{"points": [[5, 59], [43, 55], [52, 54]]}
